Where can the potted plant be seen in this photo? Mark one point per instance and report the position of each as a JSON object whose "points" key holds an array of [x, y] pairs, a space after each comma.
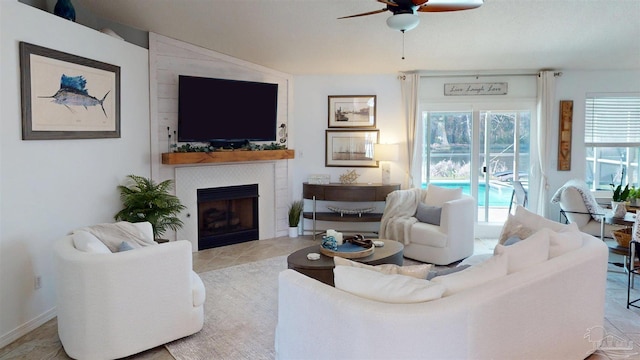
{"points": [[144, 200], [295, 210], [619, 198], [634, 194]]}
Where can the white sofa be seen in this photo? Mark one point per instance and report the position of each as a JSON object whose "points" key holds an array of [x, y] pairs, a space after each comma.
{"points": [[111, 305], [550, 310], [441, 244]]}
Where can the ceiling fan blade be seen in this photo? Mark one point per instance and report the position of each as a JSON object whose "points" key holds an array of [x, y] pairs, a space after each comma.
{"points": [[388, 2], [449, 5], [364, 14]]}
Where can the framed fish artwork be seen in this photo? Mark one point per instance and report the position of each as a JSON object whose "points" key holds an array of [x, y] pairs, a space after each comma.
{"points": [[66, 96]]}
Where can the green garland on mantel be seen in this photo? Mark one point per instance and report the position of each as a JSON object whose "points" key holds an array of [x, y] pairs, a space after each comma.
{"points": [[208, 148]]}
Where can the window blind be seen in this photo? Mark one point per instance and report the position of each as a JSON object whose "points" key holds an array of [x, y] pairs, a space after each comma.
{"points": [[612, 120]]}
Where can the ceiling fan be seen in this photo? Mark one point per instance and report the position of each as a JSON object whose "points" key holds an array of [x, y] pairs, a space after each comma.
{"points": [[404, 16]]}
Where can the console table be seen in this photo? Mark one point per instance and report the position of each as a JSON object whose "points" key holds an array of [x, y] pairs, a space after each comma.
{"points": [[346, 193]]}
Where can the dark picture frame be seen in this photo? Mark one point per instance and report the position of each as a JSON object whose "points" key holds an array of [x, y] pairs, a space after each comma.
{"points": [[352, 111], [65, 96], [353, 148]]}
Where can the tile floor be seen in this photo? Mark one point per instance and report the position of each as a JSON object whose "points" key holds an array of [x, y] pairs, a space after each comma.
{"points": [[43, 342]]}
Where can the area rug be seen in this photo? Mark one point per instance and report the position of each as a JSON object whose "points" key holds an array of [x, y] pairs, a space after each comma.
{"points": [[241, 313]]}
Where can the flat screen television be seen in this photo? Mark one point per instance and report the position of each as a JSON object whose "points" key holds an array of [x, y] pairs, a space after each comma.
{"points": [[226, 113]]}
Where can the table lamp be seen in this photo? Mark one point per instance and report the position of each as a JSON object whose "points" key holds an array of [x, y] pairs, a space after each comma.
{"points": [[385, 153]]}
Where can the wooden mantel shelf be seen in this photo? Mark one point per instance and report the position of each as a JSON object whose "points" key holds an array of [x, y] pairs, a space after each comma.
{"points": [[225, 156]]}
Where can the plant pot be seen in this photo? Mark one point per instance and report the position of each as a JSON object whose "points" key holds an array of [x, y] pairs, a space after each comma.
{"points": [[619, 209], [293, 231]]}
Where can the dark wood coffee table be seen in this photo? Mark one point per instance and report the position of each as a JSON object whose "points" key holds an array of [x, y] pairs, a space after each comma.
{"points": [[322, 270]]}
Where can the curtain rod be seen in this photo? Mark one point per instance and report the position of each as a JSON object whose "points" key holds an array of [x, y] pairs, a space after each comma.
{"points": [[477, 76]]}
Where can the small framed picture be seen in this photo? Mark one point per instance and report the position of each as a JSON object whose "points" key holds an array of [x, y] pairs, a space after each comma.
{"points": [[351, 148], [348, 111]]}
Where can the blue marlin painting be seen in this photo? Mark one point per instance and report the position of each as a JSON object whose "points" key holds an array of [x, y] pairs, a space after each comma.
{"points": [[73, 92]]}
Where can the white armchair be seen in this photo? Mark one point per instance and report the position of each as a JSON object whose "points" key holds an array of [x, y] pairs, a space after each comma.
{"points": [[441, 244], [579, 206], [111, 305]]}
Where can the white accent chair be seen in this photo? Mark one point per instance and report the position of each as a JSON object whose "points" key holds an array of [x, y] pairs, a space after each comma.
{"points": [[112, 305], [442, 244], [579, 206]]}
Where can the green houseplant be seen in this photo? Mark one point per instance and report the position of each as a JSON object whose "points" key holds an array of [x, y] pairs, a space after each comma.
{"points": [[295, 211], [634, 194], [145, 200], [619, 198], [620, 194]]}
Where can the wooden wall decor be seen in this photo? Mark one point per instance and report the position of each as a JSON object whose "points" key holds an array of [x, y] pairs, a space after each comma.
{"points": [[564, 135]]}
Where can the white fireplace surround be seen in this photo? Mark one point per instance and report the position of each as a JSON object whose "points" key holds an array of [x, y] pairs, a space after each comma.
{"points": [[190, 179]]}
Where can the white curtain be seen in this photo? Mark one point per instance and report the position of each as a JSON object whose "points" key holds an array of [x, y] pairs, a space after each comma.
{"points": [[545, 106], [409, 84]]}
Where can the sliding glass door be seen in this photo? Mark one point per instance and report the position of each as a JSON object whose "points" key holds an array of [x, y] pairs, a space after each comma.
{"points": [[481, 149], [504, 154]]}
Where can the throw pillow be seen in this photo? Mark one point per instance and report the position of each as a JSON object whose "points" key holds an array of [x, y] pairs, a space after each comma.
{"points": [[494, 268], [511, 240], [437, 195], [534, 221], [445, 271], [124, 246], [524, 223], [429, 214], [513, 227], [85, 241], [417, 271], [563, 241], [390, 288], [530, 251]]}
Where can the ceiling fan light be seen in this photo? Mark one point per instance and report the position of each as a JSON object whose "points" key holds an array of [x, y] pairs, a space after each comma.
{"points": [[403, 22]]}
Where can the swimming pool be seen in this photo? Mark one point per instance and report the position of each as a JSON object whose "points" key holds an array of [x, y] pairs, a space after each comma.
{"points": [[498, 195]]}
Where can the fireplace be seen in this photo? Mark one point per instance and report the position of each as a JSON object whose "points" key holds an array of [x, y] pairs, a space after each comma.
{"points": [[227, 215], [272, 192]]}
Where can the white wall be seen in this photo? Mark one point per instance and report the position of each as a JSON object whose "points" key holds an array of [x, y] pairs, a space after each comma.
{"points": [[311, 120], [574, 85], [50, 187], [169, 58]]}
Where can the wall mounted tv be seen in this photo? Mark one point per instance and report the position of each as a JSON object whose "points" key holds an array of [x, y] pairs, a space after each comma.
{"points": [[226, 113]]}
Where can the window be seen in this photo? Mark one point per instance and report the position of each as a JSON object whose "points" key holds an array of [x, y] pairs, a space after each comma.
{"points": [[483, 150], [478, 142], [612, 139]]}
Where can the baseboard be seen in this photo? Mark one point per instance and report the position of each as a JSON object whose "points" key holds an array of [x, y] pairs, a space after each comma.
{"points": [[27, 327]]}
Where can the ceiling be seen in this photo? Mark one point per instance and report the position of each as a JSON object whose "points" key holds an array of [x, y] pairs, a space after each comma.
{"points": [[305, 36]]}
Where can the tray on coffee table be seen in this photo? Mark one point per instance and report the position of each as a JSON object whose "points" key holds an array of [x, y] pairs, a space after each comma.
{"points": [[348, 251]]}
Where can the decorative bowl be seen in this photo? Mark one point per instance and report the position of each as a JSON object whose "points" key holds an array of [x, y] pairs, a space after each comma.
{"points": [[358, 212]]}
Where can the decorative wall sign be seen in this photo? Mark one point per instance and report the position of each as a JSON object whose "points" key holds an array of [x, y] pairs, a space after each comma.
{"points": [[352, 111], [473, 89], [66, 96], [564, 135], [351, 148]]}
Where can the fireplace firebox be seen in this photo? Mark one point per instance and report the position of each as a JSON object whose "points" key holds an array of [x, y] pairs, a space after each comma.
{"points": [[227, 215]]}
